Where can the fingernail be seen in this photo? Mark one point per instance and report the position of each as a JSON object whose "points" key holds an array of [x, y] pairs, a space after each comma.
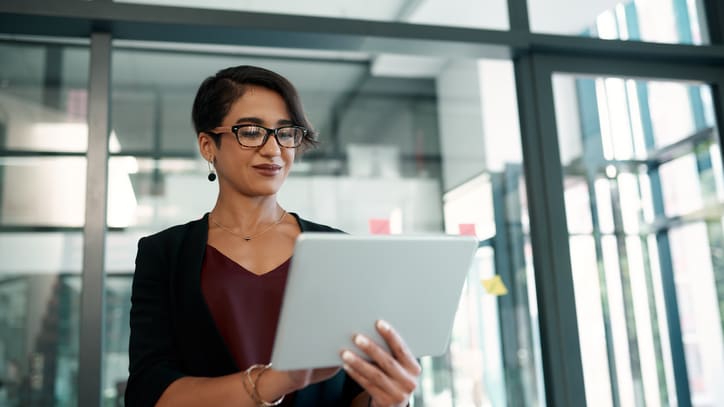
{"points": [[361, 340], [345, 367], [383, 325], [347, 356]]}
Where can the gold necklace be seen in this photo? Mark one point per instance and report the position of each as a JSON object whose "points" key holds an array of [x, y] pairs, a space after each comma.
{"points": [[249, 237]]}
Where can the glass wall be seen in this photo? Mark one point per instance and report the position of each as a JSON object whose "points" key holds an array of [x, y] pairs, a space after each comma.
{"points": [[666, 21], [644, 193], [391, 145], [43, 139]]}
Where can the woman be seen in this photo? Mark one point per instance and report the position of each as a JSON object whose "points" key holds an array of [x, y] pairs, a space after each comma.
{"points": [[206, 295]]}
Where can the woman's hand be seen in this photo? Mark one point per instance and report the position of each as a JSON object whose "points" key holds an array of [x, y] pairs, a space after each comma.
{"points": [[391, 377]]}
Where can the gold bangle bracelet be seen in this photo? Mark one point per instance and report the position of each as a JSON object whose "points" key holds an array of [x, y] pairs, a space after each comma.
{"points": [[249, 384], [263, 403], [254, 392]]}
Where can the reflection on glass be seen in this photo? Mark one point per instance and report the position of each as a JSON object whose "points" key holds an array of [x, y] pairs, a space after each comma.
{"points": [[117, 320], [494, 352], [43, 103], [42, 191], [672, 21], [43, 98], [492, 14], [697, 284], [650, 178], [39, 324]]}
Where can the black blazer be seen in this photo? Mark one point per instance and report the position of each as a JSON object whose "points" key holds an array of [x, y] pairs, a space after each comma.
{"points": [[172, 331]]}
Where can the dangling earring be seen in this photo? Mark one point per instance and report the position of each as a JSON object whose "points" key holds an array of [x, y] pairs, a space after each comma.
{"points": [[212, 172]]}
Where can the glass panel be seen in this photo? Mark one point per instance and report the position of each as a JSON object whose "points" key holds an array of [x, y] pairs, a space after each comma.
{"points": [[391, 145], [117, 320], [644, 156], [492, 14], [42, 191], [42, 115], [43, 97], [495, 349], [39, 322], [699, 291], [670, 21], [490, 365]]}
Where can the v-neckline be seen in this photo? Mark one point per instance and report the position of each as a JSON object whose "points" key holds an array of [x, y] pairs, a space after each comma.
{"points": [[246, 270]]}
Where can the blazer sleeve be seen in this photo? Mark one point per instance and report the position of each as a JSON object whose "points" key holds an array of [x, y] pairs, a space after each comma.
{"points": [[154, 362]]}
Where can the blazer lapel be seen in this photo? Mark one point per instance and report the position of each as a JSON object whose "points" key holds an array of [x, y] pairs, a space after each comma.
{"points": [[200, 338]]}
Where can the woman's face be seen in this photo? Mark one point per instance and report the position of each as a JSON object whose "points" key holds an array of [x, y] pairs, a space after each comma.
{"points": [[256, 171]]}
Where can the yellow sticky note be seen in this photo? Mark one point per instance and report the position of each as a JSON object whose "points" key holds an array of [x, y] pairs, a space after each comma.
{"points": [[495, 286]]}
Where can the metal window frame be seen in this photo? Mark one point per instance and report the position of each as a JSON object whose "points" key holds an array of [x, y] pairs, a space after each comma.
{"points": [[535, 57], [547, 209], [92, 308]]}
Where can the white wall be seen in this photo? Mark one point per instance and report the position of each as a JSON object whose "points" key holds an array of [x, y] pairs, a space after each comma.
{"points": [[461, 123], [478, 116]]}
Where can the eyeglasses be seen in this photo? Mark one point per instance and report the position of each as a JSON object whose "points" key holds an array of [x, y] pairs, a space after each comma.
{"points": [[253, 135]]}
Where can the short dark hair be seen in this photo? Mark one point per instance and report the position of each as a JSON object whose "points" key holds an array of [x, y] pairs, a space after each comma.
{"points": [[217, 93]]}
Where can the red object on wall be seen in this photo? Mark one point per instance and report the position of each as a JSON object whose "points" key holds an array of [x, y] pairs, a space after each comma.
{"points": [[467, 229], [379, 226]]}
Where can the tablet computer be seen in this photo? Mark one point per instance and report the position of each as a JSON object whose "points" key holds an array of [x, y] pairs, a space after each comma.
{"points": [[339, 285]]}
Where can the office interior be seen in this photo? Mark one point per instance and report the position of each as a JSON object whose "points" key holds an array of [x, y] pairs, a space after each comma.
{"points": [[578, 141]]}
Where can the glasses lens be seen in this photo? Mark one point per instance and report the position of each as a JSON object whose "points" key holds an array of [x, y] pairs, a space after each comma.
{"points": [[290, 136], [250, 136]]}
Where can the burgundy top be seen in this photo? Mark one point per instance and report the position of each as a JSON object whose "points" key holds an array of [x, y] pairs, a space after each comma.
{"points": [[245, 306]]}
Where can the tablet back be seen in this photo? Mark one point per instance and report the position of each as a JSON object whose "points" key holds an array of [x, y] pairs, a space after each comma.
{"points": [[339, 285]]}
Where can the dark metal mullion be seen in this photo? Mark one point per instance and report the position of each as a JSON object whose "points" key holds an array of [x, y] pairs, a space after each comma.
{"points": [[593, 159], [515, 392], [627, 296], [560, 345], [3, 145], [602, 282], [718, 96], [653, 312], [516, 249], [39, 229], [681, 14], [662, 155], [605, 307], [31, 153], [648, 275], [655, 327], [518, 15], [626, 286], [714, 10], [715, 235], [53, 70], [673, 321], [341, 106], [157, 179], [90, 371], [152, 154], [717, 93]]}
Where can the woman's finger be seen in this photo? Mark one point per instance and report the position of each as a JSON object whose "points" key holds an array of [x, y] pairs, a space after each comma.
{"points": [[373, 380], [387, 364], [399, 348]]}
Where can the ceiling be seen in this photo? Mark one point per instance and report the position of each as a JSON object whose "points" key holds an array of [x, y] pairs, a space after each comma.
{"points": [[550, 16]]}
